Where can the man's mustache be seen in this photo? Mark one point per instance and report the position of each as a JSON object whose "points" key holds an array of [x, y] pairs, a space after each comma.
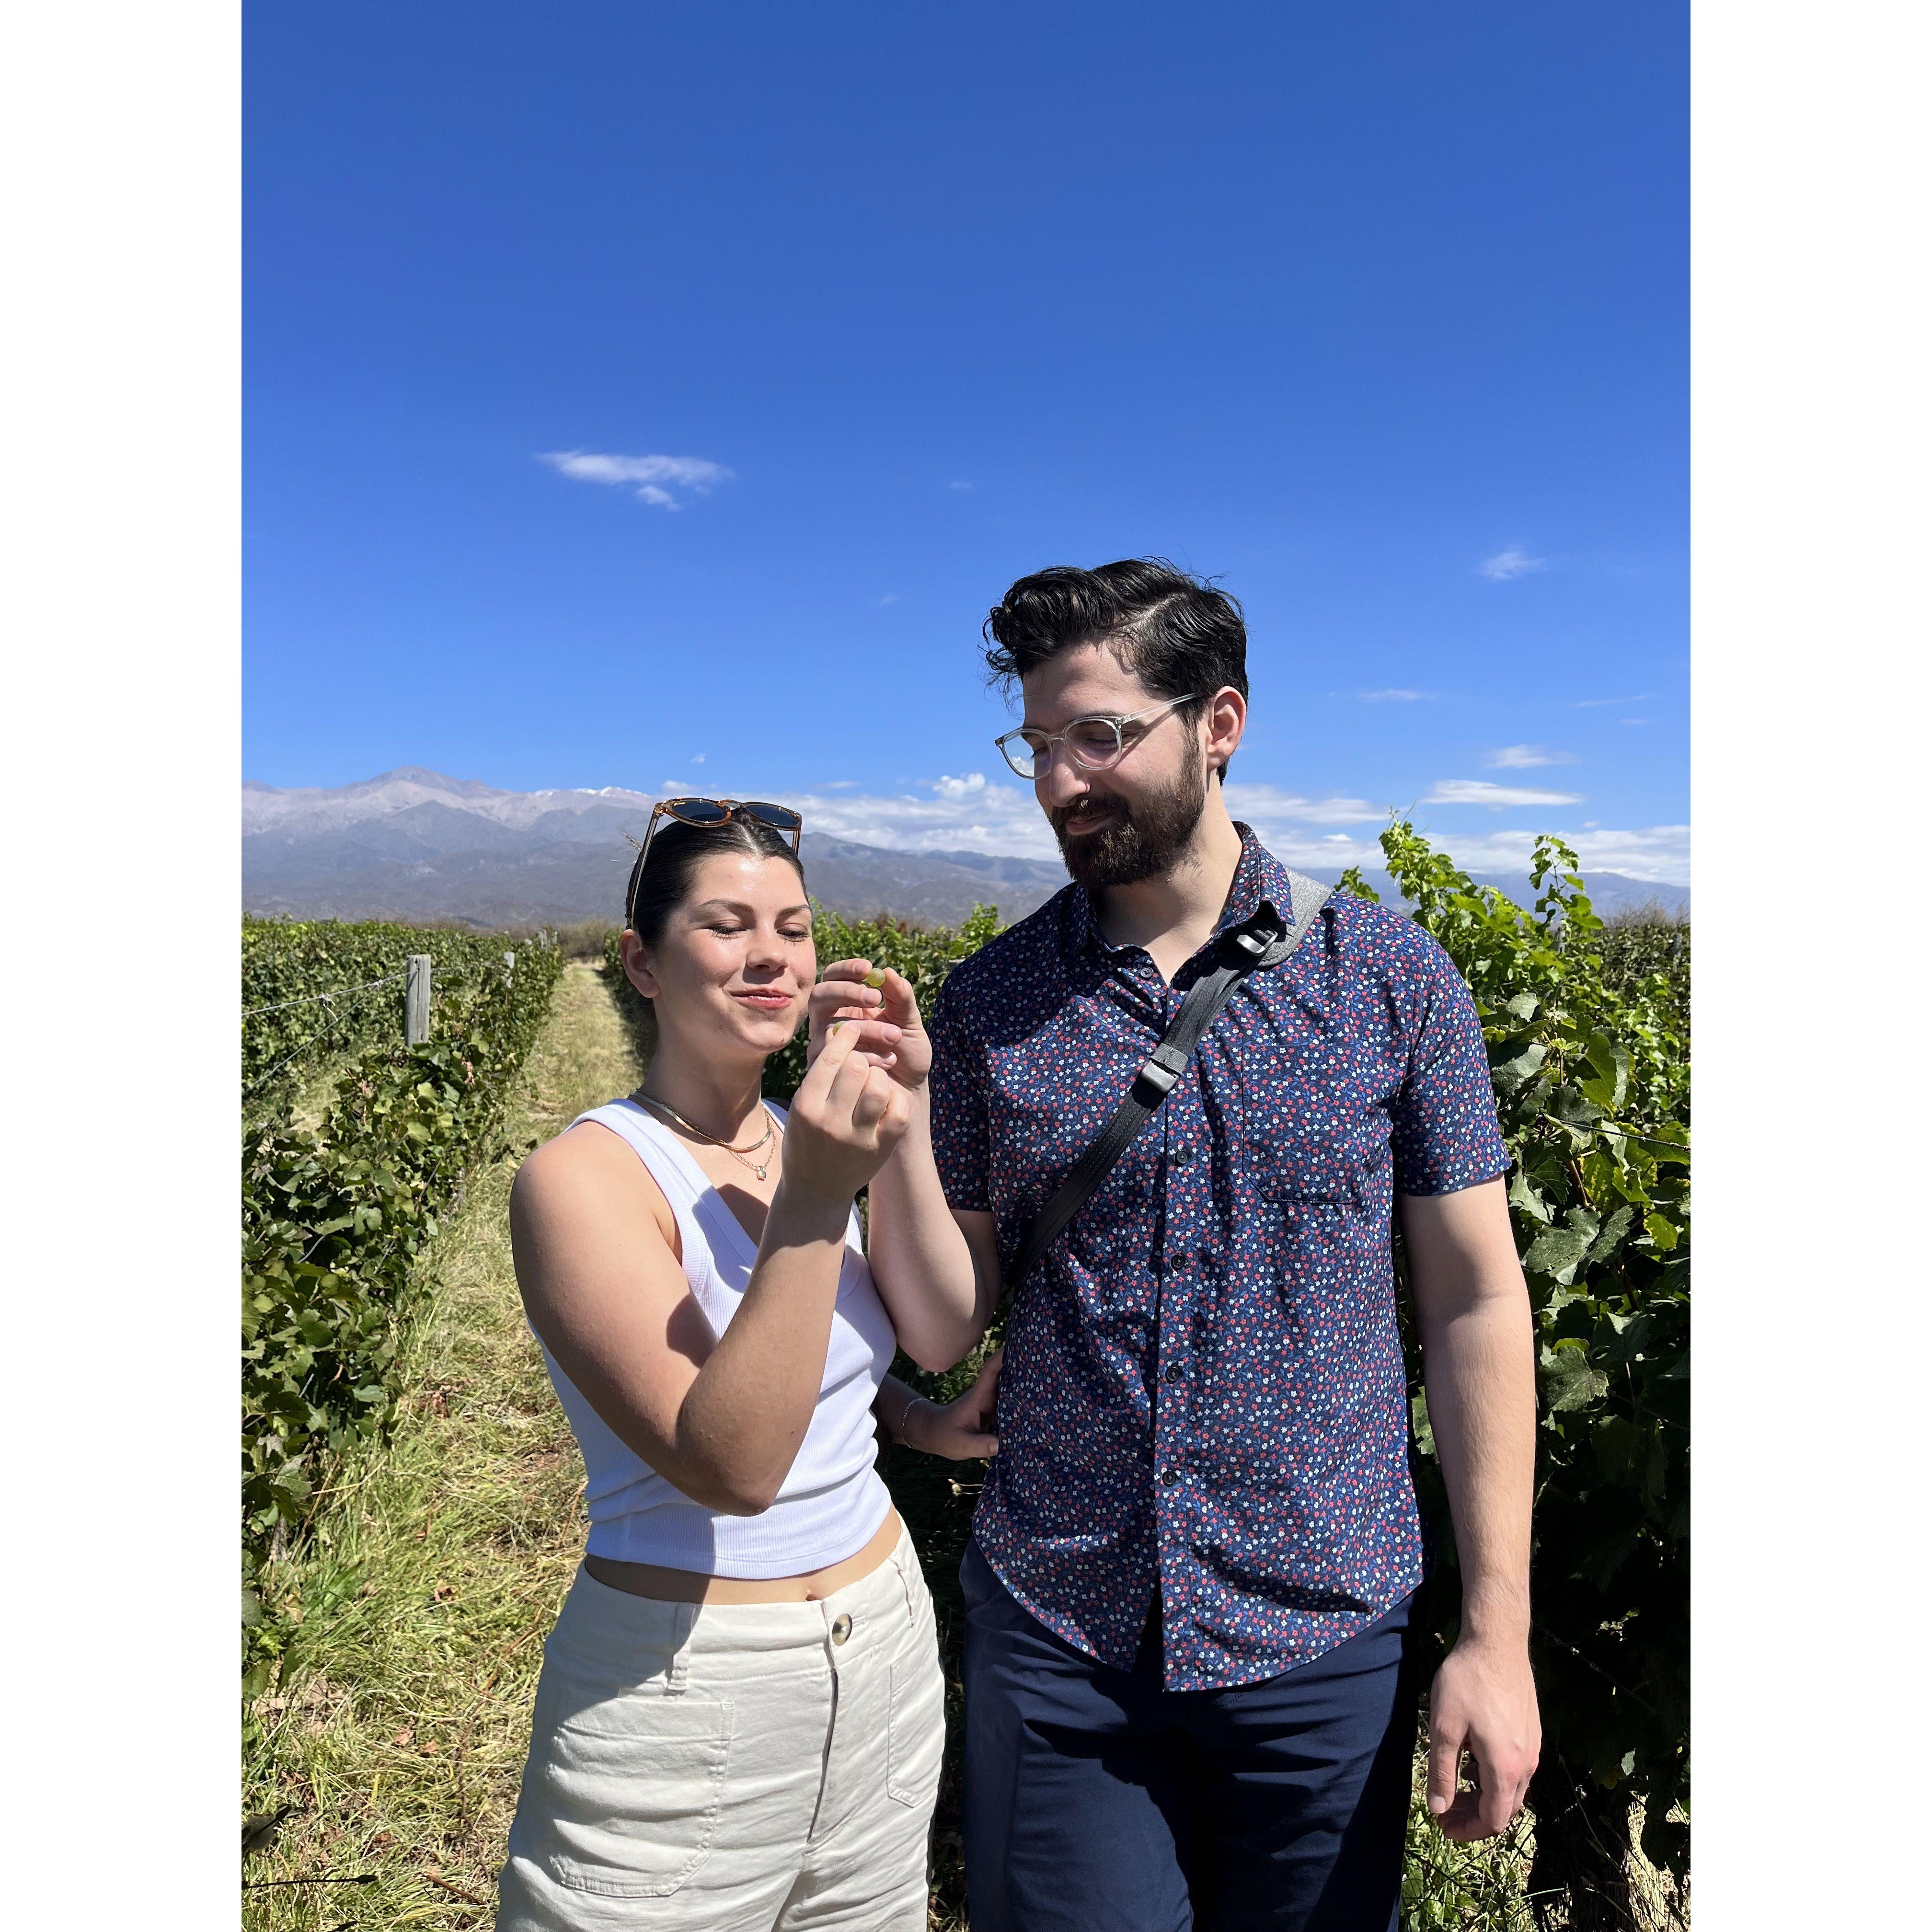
{"points": [[1059, 817]]}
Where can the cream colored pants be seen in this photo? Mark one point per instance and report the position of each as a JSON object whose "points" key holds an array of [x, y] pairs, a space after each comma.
{"points": [[732, 1768]]}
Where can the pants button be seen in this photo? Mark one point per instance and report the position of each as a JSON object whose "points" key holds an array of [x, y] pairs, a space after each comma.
{"points": [[841, 1628]]}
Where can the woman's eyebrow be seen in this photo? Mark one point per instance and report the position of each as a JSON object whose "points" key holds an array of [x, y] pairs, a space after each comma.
{"points": [[744, 911]]}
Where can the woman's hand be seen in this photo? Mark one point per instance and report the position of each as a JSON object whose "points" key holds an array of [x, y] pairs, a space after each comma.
{"points": [[891, 1034], [962, 1429], [843, 1121]]}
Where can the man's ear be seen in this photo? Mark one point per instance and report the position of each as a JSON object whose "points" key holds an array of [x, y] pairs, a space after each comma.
{"points": [[1227, 718]]}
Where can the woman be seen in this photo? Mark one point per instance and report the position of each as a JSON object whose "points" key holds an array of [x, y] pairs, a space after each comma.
{"points": [[738, 1722]]}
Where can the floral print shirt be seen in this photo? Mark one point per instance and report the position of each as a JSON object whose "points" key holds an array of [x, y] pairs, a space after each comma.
{"points": [[1203, 1391]]}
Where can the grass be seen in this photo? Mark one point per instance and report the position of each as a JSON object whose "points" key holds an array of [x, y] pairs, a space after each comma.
{"points": [[400, 1724]]}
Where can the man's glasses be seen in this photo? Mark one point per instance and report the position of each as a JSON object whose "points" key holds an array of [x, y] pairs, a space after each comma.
{"points": [[1092, 743], [709, 811]]}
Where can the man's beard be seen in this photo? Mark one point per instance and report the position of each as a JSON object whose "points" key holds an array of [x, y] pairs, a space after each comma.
{"points": [[1145, 839]]}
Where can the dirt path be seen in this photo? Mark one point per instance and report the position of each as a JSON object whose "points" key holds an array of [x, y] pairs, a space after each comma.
{"points": [[401, 1729]]}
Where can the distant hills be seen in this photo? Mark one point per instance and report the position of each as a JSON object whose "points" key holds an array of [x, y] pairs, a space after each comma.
{"points": [[415, 845]]}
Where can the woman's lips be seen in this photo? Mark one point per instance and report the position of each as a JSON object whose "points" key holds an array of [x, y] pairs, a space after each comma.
{"points": [[765, 1003]]}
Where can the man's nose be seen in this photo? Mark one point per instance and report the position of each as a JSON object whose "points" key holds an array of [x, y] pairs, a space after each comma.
{"points": [[1061, 782]]}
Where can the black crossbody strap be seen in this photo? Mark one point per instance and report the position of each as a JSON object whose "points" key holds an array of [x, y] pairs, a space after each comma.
{"points": [[1251, 947]]}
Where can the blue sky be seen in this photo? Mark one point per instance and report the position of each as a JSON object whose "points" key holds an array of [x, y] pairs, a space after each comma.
{"points": [[659, 397]]}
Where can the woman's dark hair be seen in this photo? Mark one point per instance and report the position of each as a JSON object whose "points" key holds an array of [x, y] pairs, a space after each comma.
{"points": [[661, 880], [1178, 633]]}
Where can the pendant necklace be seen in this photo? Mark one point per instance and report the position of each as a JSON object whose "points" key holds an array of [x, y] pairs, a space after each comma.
{"points": [[741, 1155]]}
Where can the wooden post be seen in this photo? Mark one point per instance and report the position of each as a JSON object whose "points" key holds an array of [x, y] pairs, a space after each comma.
{"points": [[416, 1010]]}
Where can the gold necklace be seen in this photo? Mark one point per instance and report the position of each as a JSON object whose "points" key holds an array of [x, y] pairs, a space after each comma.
{"points": [[742, 1155]]}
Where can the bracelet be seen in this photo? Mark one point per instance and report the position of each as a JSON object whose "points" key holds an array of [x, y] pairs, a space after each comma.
{"points": [[914, 1399]]}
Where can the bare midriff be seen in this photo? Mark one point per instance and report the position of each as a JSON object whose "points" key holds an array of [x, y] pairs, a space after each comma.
{"points": [[694, 1586]]}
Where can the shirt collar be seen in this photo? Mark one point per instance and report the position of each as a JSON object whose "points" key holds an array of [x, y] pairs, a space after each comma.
{"points": [[1260, 879]]}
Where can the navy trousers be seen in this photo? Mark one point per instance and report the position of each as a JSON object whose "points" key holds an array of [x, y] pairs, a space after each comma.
{"points": [[1096, 1801]]}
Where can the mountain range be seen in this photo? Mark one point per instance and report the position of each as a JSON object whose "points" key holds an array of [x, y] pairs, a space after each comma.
{"points": [[413, 844]]}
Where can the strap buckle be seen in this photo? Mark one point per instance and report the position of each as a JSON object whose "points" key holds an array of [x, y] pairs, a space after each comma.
{"points": [[1155, 1081], [1253, 939]]}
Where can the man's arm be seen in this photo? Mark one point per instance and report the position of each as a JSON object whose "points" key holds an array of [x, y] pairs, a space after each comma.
{"points": [[937, 1268], [1479, 1368]]}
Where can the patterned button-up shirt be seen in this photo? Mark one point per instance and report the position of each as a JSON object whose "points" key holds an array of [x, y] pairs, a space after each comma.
{"points": [[1203, 1386]]}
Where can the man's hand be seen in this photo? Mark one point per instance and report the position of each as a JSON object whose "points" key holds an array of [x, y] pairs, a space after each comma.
{"points": [[962, 1429], [1483, 1701]]}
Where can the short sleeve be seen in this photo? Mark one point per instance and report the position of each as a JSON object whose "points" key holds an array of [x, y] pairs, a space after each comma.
{"points": [[1446, 1137], [960, 1143]]}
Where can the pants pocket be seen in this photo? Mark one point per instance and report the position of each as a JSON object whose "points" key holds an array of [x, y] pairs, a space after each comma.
{"points": [[623, 1791], [915, 1729]]}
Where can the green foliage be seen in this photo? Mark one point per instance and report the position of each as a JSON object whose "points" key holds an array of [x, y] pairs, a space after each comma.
{"points": [[1448, 1887], [333, 1223], [1589, 1054], [1651, 957], [312, 989]]}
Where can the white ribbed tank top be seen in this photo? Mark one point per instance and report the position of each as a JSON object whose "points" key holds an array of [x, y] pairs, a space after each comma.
{"points": [[833, 1500]]}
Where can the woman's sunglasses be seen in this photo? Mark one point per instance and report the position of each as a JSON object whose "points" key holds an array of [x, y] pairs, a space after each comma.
{"points": [[709, 812]]}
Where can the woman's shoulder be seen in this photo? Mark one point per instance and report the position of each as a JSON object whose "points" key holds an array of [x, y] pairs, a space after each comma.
{"points": [[593, 1164]]}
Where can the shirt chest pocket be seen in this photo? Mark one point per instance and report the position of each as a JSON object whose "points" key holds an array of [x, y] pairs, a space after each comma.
{"points": [[1320, 1147]]}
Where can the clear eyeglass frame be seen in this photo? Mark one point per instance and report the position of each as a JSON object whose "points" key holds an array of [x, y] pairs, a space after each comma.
{"points": [[1092, 743]]}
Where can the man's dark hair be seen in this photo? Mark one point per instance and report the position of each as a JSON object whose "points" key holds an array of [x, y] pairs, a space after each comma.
{"points": [[1177, 633]]}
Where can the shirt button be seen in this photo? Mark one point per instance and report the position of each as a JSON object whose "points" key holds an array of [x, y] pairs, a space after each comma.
{"points": [[1173, 1372], [1170, 1475], [1182, 1156], [841, 1628]]}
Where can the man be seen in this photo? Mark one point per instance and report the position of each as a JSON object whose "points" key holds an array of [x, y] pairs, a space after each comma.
{"points": [[1187, 1700]]}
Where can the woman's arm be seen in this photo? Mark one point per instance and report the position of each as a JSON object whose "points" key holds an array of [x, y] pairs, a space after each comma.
{"points": [[938, 1271], [722, 1419]]}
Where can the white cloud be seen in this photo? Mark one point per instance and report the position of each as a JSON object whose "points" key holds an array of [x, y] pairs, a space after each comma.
{"points": [[959, 485], [943, 814], [699, 760], [1392, 697], [1523, 757], [1480, 791], [1509, 563], [1598, 703], [1657, 854], [1265, 804], [657, 476]]}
